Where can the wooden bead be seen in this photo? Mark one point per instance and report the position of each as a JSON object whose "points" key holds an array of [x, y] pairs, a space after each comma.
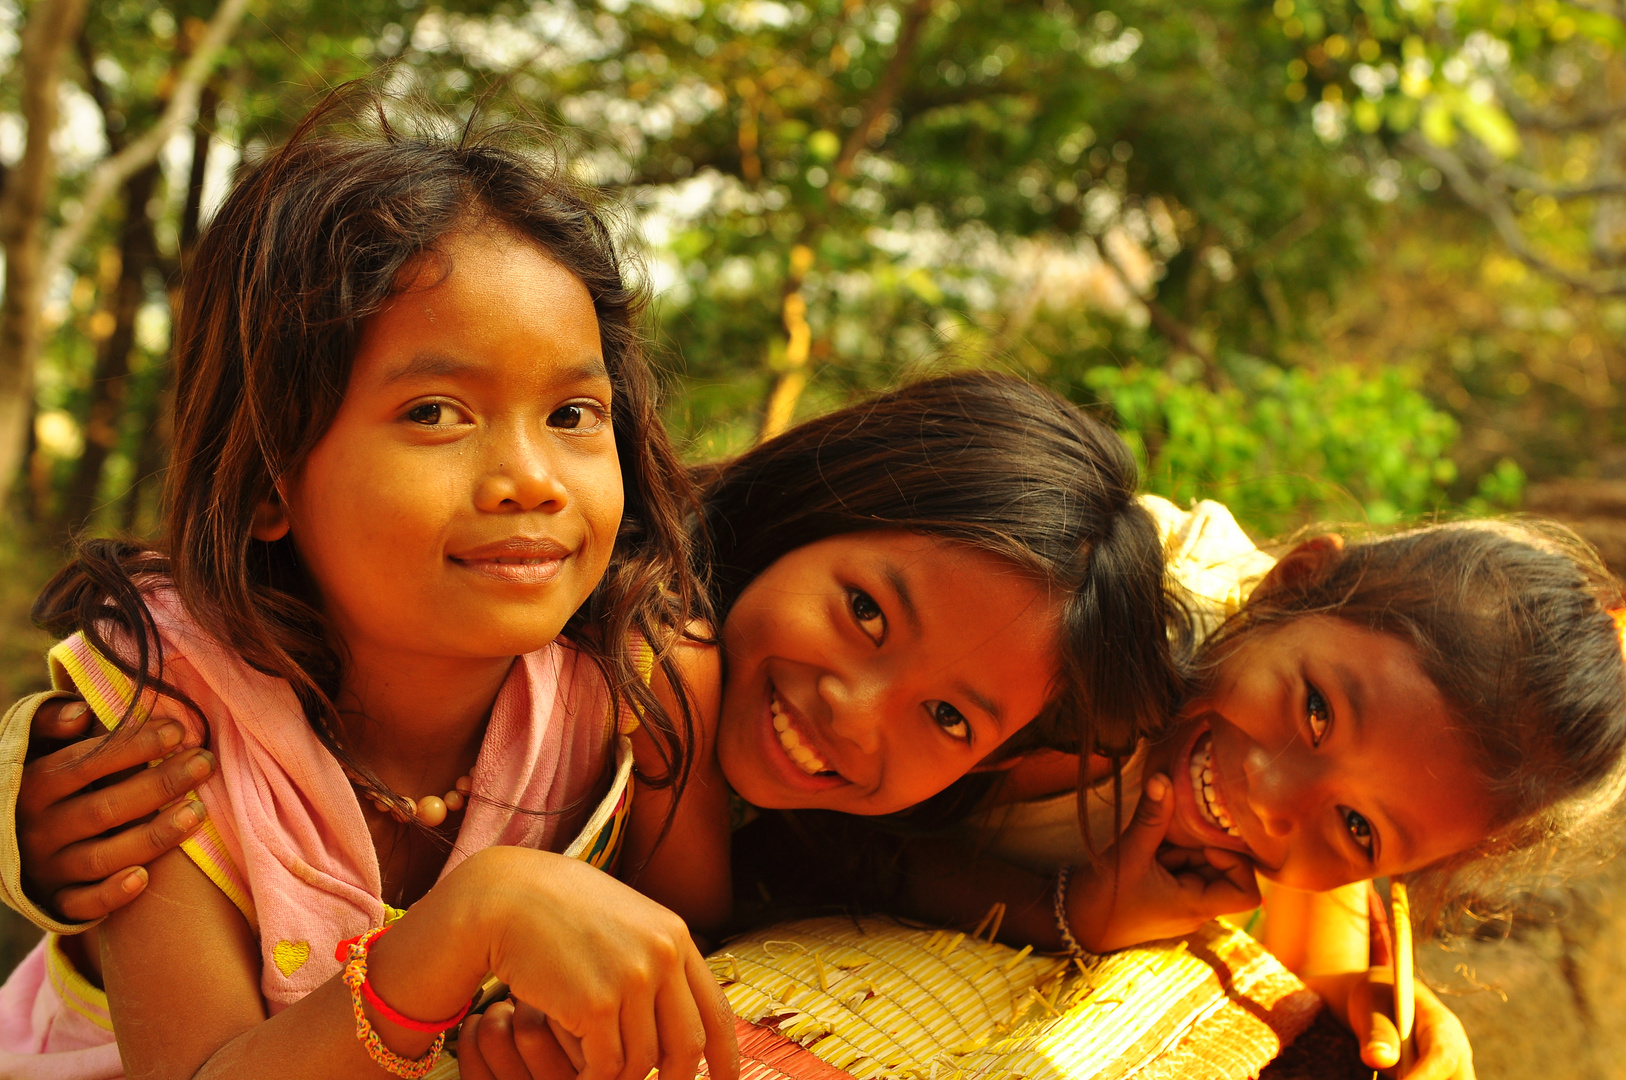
{"points": [[464, 785], [454, 801], [431, 810]]}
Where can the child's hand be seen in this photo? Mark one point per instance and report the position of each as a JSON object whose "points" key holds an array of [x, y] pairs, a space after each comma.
{"points": [[1142, 891], [606, 965], [1442, 1046], [68, 865], [513, 1041]]}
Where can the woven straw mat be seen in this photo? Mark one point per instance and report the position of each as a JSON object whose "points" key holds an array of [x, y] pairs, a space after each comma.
{"points": [[869, 998]]}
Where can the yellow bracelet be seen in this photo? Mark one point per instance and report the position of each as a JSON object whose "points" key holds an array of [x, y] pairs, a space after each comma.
{"points": [[355, 973]]}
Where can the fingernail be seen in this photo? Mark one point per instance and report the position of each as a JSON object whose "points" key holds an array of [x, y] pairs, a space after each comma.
{"points": [[1157, 788], [170, 735], [201, 764], [1383, 1053], [73, 710], [134, 880], [190, 815]]}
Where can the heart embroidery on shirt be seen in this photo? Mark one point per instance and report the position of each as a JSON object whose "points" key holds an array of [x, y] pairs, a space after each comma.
{"points": [[290, 956]]}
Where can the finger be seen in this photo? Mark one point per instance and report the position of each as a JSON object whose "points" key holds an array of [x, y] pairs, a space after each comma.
{"points": [[1370, 1008], [61, 721], [716, 1020], [641, 1036], [471, 1065], [1443, 1052], [603, 1055], [496, 1042], [571, 1045], [95, 859], [87, 903], [538, 1047], [52, 778], [682, 1035], [97, 811], [1138, 845]]}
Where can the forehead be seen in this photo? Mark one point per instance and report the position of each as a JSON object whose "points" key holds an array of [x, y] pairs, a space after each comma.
{"points": [[944, 589], [485, 290]]}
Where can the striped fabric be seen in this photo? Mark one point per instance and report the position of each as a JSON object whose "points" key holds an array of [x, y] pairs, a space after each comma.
{"points": [[875, 999], [76, 991]]}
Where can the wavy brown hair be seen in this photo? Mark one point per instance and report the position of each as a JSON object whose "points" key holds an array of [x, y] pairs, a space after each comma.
{"points": [[307, 246], [1511, 620]]}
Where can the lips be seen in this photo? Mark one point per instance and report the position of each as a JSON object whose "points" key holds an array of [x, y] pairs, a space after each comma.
{"points": [[517, 559]]}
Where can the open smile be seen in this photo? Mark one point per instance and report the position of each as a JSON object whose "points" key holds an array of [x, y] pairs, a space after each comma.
{"points": [[1200, 805], [802, 761], [1208, 798]]}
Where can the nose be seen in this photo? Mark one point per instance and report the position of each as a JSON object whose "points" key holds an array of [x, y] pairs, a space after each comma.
{"points": [[1281, 786], [855, 704], [521, 477]]}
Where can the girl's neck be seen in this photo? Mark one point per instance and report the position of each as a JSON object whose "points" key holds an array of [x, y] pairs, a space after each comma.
{"points": [[418, 721]]}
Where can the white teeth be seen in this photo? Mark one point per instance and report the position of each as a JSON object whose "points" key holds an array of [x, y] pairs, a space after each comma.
{"points": [[805, 757], [1202, 785]]}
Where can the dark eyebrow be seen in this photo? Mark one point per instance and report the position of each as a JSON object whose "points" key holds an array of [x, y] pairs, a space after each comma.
{"points": [[439, 365], [1354, 692], [986, 704], [900, 585], [428, 365]]}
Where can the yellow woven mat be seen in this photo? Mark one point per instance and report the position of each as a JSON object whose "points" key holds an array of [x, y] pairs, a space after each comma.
{"points": [[881, 1000]]}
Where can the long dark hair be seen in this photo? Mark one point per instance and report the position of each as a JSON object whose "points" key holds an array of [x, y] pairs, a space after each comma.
{"points": [[1511, 620], [305, 248], [997, 464]]}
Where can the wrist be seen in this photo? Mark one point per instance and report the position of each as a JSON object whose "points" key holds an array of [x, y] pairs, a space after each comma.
{"points": [[433, 960]]}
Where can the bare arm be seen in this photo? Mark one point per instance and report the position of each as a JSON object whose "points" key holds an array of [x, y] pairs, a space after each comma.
{"points": [[688, 869], [608, 965], [1139, 891]]}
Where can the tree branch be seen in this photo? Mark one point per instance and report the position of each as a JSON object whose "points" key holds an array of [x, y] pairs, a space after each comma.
{"points": [[1500, 213], [183, 105], [914, 20]]}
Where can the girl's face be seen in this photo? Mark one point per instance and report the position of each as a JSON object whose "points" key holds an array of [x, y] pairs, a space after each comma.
{"points": [[465, 501], [1327, 756], [867, 672]]}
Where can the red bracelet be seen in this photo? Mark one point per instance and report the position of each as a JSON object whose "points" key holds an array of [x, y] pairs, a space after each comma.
{"points": [[431, 1027]]}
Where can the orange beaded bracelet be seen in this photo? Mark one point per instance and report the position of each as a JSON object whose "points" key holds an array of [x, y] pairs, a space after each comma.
{"points": [[355, 977]]}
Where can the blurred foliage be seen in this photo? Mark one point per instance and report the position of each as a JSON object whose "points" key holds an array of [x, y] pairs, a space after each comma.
{"points": [[1225, 223]]}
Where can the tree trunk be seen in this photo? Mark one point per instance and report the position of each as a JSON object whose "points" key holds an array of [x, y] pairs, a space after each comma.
{"points": [[154, 421], [51, 27], [138, 254]]}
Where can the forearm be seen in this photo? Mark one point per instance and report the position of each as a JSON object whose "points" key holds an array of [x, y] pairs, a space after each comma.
{"points": [[182, 950], [943, 885]]}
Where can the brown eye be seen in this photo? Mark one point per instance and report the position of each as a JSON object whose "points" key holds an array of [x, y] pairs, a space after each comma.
{"points": [[428, 415], [1360, 830], [867, 613], [1318, 712], [567, 416], [950, 719]]}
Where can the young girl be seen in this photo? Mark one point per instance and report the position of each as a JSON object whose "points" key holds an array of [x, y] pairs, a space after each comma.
{"points": [[1446, 706], [414, 441]]}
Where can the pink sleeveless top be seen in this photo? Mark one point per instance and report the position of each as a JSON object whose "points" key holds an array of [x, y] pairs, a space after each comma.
{"points": [[285, 837]]}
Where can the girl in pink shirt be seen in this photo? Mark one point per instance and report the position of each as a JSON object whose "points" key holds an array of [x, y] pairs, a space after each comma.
{"points": [[415, 442]]}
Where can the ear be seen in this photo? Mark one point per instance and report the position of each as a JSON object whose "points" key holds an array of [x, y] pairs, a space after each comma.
{"points": [[1305, 562], [270, 519]]}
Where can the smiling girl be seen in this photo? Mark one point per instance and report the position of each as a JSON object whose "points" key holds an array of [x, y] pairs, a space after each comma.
{"points": [[414, 442]]}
